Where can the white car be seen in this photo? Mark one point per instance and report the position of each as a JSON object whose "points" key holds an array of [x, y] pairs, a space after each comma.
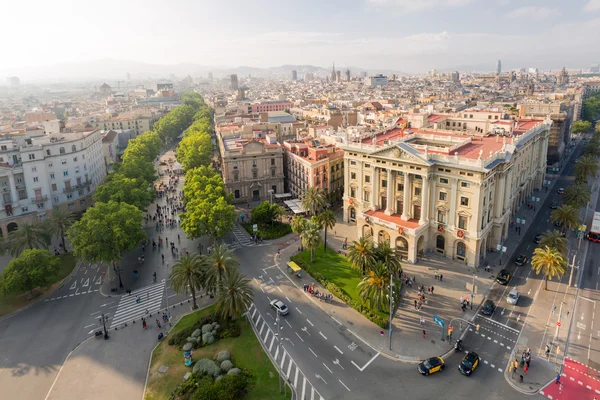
{"points": [[513, 297], [279, 306]]}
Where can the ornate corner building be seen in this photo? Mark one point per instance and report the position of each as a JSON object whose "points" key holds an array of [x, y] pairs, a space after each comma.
{"points": [[442, 191]]}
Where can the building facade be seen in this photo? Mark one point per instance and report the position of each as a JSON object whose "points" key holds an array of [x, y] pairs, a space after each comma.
{"points": [[275, 105], [139, 124], [443, 192]]}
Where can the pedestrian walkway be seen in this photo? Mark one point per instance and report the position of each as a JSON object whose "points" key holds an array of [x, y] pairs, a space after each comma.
{"points": [[151, 298], [241, 235], [576, 382], [282, 360]]}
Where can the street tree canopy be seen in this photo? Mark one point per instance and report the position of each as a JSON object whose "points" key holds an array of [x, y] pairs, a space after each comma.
{"points": [[31, 269], [106, 231], [581, 126], [137, 168], [121, 189], [194, 150]]}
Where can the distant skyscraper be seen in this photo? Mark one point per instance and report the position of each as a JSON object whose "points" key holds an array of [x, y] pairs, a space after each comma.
{"points": [[455, 77], [333, 74], [347, 75], [294, 75], [233, 81], [595, 68], [499, 67], [338, 76], [210, 76]]}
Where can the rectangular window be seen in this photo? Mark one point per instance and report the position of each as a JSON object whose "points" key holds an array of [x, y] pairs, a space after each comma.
{"points": [[352, 175], [65, 173], [33, 169], [71, 206], [32, 156], [441, 217], [367, 178], [464, 201], [465, 184], [367, 196], [236, 176], [254, 163], [54, 187], [384, 183], [352, 192], [352, 162], [444, 180], [462, 222], [63, 162], [51, 175], [443, 196], [69, 196], [400, 187], [49, 165], [417, 191], [235, 165], [35, 179], [254, 174], [273, 173], [272, 161]]}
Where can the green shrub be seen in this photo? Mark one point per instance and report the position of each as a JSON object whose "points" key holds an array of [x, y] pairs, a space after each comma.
{"points": [[222, 356], [230, 387], [206, 366], [226, 365], [268, 232], [222, 327]]}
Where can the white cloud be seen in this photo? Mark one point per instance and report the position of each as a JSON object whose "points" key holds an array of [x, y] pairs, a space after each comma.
{"points": [[409, 6], [533, 12], [592, 5]]}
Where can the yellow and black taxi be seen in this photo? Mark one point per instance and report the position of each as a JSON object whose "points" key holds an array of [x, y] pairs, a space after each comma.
{"points": [[431, 366], [469, 363], [521, 260]]}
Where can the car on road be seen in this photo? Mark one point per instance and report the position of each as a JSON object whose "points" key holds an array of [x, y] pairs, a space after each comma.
{"points": [[503, 277], [521, 260], [537, 238], [431, 365], [279, 306], [488, 307], [513, 297], [469, 363], [554, 205], [560, 190]]}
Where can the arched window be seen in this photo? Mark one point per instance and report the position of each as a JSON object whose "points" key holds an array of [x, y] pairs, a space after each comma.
{"points": [[62, 150], [73, 148]]}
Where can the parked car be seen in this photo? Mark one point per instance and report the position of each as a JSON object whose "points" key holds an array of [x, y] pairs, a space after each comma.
{"points": [[503, 277], [554, 205], [513, 297], [488, 307], [431, 365], [537, 238], [521, 260], [279, 306], [560, 190], [469, 363]]}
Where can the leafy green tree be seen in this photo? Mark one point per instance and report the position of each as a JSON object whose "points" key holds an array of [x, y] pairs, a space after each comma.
{"points": [[374, 287], [106, 231], [298, 225], [266, 213], [327, 219], [220, 260], [567, 216], [29, 236], [592, 149], [591, 107], [175, 122], [586, 167], [58, 224], [311, 237], [189, 275], [31, 269], [549, 262], [555, 240], [235, 295], [581, 126], [313, 200], [194, 151], [137, 168], [362, 255], [193, 99], [120, 189], [146, 147], [389, 257], [597, 127], [577, 195]]}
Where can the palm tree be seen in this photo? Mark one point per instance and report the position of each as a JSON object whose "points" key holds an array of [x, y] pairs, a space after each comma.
{"points": [[362, 255], [548, 261], [189, 275], [327, 219], [567, 216], [313, 200], [311, 237], [555, 240], [586, 167], [374, 287], [389, 257], [235, 295], [59, 223], [29, 236], [577, 195], [220, 260], [298, 226]]}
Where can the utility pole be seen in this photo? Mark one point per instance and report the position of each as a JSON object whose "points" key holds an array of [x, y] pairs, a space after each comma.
{"points": [[391, 305], [572, 269], [473, 291], [118, 272], [558, 325], [102, 320]]}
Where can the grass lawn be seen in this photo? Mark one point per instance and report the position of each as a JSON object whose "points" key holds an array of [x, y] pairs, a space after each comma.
{"points": [[13, 302], [246, 353]]}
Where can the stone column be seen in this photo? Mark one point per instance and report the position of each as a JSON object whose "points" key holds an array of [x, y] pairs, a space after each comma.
{"points": [[13, 190], [424, 200], [389, 208], [499, 195], [453, 193], [347, 177], [375, 187], [507, 189], [479, 209], [359, 189], [406, 196]]}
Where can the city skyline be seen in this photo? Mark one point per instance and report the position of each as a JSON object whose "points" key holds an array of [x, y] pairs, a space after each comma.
{"points": [[410, 37]]}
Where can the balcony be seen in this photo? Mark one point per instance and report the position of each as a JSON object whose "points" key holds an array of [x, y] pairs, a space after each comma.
{"points": [[70, 189], [39, 199]]}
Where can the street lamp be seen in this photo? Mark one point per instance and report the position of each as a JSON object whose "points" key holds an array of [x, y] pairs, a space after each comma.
{"points": [[270, 191], [391, 305], [473, 290], [118, 272], [501, 249], [102, 321]]}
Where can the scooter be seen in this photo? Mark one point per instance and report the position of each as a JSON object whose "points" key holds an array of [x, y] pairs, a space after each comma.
{"points": [[458, 346]]}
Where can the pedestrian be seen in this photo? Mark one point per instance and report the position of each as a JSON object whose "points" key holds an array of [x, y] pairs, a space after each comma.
{"points": [[422, 321], [441, 277], [527, 362], [567, 313], [525, 369], [424, 334], [512, 369], [144, 323], [547, 350], [432, 289], [428, 290], [553, 309], [415, 304], [158, 324]]}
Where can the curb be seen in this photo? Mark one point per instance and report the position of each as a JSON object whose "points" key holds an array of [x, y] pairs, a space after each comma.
{"points": [[45, 296]]}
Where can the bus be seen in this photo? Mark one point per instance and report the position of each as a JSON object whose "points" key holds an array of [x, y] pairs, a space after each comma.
{"points": [[594, 234]]}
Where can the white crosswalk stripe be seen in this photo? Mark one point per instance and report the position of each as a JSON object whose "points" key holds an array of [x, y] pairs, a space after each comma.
{"points": [[282, 359], [128, 310], [241, 236]]}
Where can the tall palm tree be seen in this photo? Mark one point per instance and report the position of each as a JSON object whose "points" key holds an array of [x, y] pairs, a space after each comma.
{"points": [[220, 260], [362, 255], [189, 275], [577, 195], [586, 167], [29, 236], [555, 240], [59, 223], [313, 200], [327, 219], [298, 226], [389, 257], [567, 216], [374, 287], [311, 237], [235, 295], [548, 261]]}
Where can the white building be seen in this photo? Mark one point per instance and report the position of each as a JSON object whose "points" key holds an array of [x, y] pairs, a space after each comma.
{"points": [[57, 169], [377, 80]]}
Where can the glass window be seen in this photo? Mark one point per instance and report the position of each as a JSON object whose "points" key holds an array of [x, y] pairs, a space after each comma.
{"points": [[417, 191], [443, 196], [384, 183], [352, 175], [464, 201], [441, 217], [465, 184], [367, 178], [444, 180], [367, 196], [462, 222]]}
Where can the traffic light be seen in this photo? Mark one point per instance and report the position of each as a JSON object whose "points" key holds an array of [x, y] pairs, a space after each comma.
{"points": [[477, 327]]}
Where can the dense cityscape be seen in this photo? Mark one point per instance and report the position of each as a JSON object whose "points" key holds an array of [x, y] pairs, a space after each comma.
{"points": [[312, 232]]}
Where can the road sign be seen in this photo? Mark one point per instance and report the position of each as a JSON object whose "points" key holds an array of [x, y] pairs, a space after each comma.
{"points": [[255, 227], [518, 220], [438, 321], [499, 247], [558, 323]]}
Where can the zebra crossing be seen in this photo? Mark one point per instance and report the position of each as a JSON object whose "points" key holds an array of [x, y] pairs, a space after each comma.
{"points": [[150, 302], [283, 361], [241, 236]]}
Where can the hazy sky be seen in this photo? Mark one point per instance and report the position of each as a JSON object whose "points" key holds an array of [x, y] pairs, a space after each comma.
{"points": [[406, 35]]}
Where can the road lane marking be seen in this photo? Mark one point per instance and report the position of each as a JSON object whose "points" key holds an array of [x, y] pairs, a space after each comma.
{"points": [[325, 365], [344, 385], [299, 337], [313, 352], [324, 337], [288, 299], [335, 347], [299, 312], [336, 320], [87, 326], [296, 377], [367, 364], [262, 328], [311, 324], [97, 312], [283, 359], [276, 353], [303, 388], [278, 288], [289, 368], [287, 323], [271, 345]]}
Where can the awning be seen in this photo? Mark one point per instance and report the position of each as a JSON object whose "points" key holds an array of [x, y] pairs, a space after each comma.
{"points": [[295, 206], [283, 196], [294, 266]]}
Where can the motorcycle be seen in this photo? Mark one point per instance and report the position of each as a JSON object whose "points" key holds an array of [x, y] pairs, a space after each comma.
{"points": [[458, 345]]}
